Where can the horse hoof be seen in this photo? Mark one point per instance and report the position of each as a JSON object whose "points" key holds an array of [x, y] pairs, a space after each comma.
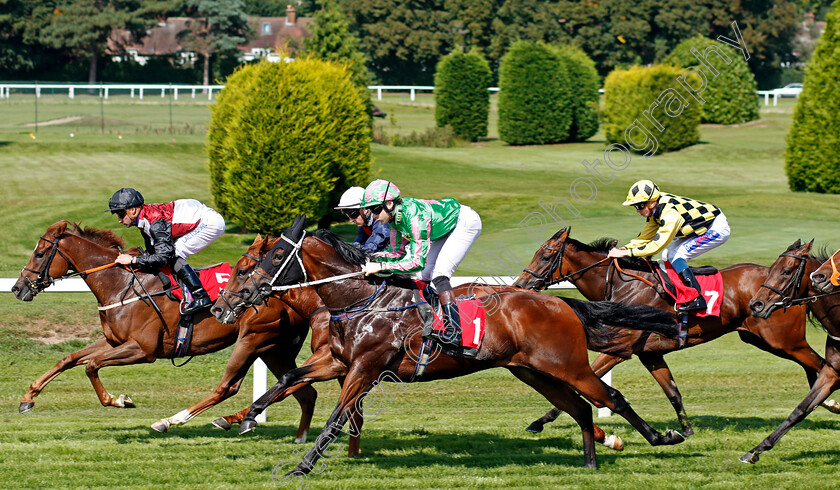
{"points": [[247, 426], [614, 442], [221, 423], [125, 401], [750, 457], [26, 406], [535, 427], [688, 432], [302, 438], [673, 437], [832, 406], [161, 426]]}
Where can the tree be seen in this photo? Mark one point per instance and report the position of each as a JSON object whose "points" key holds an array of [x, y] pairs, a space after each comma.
{"points": [[534, 96], [461, 96], [812, 162], [216, 26], [83, 27], [584, 97], [265, 8], [332, 40], [286, 138]]}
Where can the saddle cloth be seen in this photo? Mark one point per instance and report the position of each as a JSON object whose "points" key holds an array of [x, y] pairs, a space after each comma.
{"points": [[473, 319], [711, 285], [213, 278]]}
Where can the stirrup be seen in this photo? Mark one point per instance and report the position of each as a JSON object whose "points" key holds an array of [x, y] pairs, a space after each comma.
{"points": [[196, 305], [697, 304], [446, 337]]}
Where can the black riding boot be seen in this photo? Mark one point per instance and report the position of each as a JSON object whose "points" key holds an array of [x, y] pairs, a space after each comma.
{"points": [[451, 333], [698, 303], [189, 278]]}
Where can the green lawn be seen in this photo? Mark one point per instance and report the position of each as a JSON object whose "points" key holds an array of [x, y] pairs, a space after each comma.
{"points": [[464, 432]]}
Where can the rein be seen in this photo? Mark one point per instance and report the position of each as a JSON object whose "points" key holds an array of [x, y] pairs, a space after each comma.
{"points": [[319, 281], [619, 269], [788, 301]]}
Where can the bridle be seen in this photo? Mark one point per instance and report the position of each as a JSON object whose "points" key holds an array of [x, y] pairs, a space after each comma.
{"points": [[557, 264], [44, 280]]}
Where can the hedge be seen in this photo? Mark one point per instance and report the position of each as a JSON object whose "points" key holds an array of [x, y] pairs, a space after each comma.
{"points": [[287, 138], [812, 160], [534, 98], [461, 96], [629, 96], [730, 96], [584, 97]]}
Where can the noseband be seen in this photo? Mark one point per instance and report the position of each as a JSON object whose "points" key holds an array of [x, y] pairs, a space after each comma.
{"points": [[787, 301], [44, 280]]}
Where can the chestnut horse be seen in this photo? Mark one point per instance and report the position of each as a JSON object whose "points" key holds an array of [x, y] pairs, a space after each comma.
{"points": [[798, 277], [134, 332], [563, 258], [540, 339]]}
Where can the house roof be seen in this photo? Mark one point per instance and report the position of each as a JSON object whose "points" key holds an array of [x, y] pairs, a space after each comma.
{"points": [[163, 38]]}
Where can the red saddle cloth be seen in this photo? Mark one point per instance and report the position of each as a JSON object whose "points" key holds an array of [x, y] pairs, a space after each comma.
{"points": [[213, 278], [712, 287], [473, 319]]}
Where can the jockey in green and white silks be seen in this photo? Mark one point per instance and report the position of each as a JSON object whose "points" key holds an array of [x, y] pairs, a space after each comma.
{"points": [[436, 236]]}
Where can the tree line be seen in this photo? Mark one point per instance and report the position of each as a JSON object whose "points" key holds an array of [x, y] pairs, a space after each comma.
{"points": [[402, 40]]}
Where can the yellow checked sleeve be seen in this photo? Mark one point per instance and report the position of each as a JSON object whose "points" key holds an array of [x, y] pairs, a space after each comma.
{"points": [[655, 236]]}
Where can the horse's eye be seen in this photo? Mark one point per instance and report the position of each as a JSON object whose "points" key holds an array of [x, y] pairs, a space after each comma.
{"points": [[545, 258], [787, 272], [240, 273], [39, 255]]}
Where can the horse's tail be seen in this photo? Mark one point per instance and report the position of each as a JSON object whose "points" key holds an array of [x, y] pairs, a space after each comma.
{"points": [[599, 315]]}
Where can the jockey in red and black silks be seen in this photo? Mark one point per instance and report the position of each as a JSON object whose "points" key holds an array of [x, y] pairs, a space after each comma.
{"points": [[173, 231]]}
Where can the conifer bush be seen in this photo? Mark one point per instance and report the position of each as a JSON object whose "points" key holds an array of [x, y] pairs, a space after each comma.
{"points": [[584, 85], [462, 100], [730, 96], [630, 93], [534, 98], [812, 160], [287, 138]]}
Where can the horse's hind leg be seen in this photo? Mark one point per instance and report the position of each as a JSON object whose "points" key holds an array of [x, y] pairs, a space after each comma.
{"points": [[601, 365], [281, 363], [826, 383], [655, 363], [70, 361], [561, 396], [129, 353]]}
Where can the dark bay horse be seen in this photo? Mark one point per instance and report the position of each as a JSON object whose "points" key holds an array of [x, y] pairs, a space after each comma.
{"points": [[563, 258], [540, 339], [134, 333], [797, 276]]}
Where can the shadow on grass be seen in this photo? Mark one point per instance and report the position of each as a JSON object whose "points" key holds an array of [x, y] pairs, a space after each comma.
{"points": [[5, 143], [713, 423]]}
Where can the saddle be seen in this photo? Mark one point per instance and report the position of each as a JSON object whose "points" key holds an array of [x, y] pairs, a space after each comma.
{"points": [[473, 322], [711, 284], [213, 278]]}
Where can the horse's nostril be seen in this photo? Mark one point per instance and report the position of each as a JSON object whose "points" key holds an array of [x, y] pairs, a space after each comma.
{"points": [[15, 289], [818, 277], [757, 306]]}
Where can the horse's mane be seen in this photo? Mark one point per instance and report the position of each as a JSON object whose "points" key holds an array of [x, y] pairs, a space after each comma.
{"points": [[104, 238], [348, 252], [821, 254], [603, 246]]}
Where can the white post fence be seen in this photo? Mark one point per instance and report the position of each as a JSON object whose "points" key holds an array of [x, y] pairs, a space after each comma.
{"points": [[5, 89]]}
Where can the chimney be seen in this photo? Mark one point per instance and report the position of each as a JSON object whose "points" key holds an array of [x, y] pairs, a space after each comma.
{"points": [[291, 15]]}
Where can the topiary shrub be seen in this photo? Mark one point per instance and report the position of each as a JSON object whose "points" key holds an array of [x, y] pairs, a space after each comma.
{"points": [[461, 96], [730, 96], [584, 97], [287, 138], [812, 162], [646, 108], [534, 98]]}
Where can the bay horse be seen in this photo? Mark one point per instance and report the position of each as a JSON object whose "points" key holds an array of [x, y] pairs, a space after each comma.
{"points": [[563, 258], [540, 339], [135, 334], [799, 277]]}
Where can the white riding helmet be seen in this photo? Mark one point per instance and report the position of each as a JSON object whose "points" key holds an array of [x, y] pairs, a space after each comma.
{"points": [[351, 199]]}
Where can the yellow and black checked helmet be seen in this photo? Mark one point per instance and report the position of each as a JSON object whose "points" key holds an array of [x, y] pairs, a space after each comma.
{"points": [[642, 191]]}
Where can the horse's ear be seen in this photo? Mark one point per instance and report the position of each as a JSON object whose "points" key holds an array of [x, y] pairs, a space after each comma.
{"points": [[297, 227], [57, 229], [797, 243], [808, 245]]}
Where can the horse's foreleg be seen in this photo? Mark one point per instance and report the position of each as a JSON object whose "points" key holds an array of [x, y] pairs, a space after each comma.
{"points": [[129, 353], [241, 359], [357, 385], [70, 361], [655, 363], [280, 363], [826, 383], [601, 365], [325, 367]]}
